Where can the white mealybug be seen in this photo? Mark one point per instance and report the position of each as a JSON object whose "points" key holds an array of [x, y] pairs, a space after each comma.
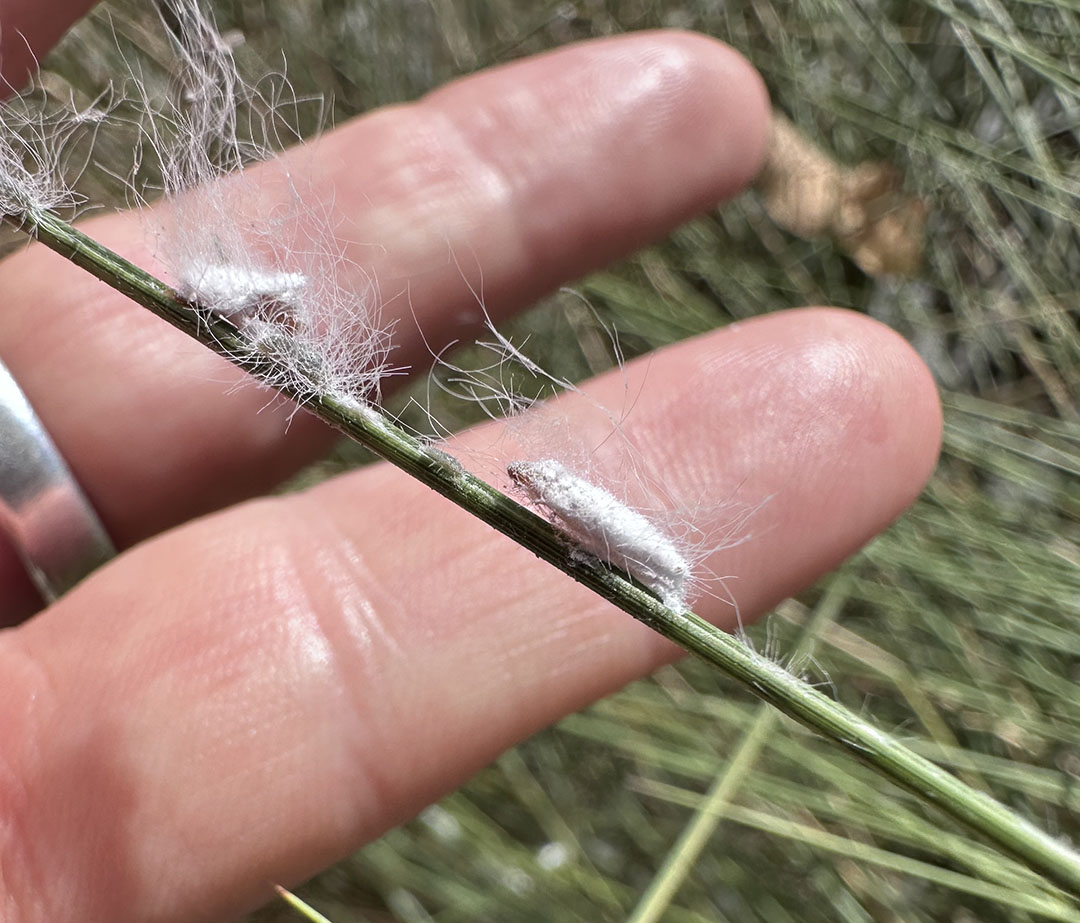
{"points": [[605, 526], [233, 290]]}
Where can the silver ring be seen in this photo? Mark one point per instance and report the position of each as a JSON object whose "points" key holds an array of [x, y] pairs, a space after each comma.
{"points": [[51, 523]]}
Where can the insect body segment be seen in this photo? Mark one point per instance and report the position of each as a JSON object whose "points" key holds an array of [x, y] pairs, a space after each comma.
{"points": [[605, 526]]}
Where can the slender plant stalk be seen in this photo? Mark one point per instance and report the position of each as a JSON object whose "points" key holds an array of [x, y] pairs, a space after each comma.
{"points": [[767, 680], [300, 905], [1034, 901], [696, 835]]}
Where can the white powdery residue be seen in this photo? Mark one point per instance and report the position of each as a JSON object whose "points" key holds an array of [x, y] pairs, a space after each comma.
{"points": [[605, 526]]}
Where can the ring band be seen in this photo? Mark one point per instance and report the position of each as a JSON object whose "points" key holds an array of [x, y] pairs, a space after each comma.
{"points": [[51, 523]]}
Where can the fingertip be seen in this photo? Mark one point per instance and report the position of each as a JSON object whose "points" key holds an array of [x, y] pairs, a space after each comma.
{"points": [[631, 135], [824, 420], [910, 385], [733, 113], [870, 435], [700, 104], [897, 418]]}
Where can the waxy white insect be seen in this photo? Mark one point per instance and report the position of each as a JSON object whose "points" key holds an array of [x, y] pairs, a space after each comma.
{"points": [[605, 526], [231, 290]]}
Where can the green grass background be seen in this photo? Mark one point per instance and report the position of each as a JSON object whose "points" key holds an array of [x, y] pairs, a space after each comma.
{"points": [[956, 629]]}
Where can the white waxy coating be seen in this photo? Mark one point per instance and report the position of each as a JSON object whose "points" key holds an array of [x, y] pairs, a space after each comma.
{"points": [[230, 289], [606, 527]]}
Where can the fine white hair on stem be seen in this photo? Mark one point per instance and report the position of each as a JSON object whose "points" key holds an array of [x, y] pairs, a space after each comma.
{"points": [[44, 147], [576, 461], [259, 247]]}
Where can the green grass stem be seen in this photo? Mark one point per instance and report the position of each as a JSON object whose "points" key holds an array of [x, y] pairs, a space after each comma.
{"points": [[710, 812]]}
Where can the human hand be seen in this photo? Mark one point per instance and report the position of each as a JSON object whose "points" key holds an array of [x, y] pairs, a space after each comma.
{"points": [[242, 698]]}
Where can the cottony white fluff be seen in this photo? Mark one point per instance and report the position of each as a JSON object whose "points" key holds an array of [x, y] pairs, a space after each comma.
{"points": [[607, 528], [232, 291], [39, 144], [257, 246]]}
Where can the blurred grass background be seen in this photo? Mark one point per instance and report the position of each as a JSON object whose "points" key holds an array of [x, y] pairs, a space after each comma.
{"points": [[956, 629]]}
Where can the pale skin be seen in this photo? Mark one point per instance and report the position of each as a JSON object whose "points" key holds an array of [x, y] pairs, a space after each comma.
{"points": [[243, 698]]}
